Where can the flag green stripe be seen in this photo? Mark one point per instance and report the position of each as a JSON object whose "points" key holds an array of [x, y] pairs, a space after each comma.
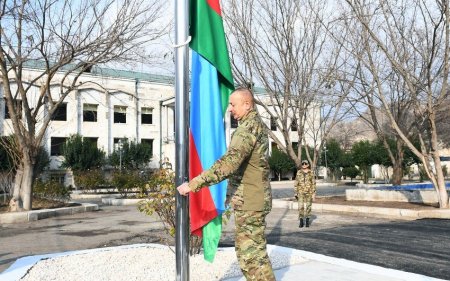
{"points": [[208, 38], [213, 231], [225, 92]]}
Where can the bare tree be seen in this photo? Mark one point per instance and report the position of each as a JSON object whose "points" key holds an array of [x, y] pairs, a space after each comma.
{"points": [[443, 122], [285, 47], [9, 160], [348, 132], [407, 42], [63, 38], [400, 108]]}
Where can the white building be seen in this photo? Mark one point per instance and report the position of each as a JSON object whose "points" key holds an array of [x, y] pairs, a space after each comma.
{"points": [[112, 105]]}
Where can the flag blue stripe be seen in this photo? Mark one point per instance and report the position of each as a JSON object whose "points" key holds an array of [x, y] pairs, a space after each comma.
{"points": [[206, 119]]}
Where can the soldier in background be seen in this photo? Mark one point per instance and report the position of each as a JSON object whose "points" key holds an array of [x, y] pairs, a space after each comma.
{"points": [[246, 166], [305, 190]]}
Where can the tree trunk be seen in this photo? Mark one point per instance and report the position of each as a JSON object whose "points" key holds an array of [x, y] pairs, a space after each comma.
{"points": [[440, 188], [16, 204], [27, 186], [439, 178], [366, 175], [443, 198], [397, 174], [22, 194]]}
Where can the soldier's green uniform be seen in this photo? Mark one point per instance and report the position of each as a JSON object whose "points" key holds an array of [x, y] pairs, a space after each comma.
{"points": [[305, 187], [245, 165]]}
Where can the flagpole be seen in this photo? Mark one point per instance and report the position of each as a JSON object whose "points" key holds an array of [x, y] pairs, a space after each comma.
{"points": [[181, 137]]}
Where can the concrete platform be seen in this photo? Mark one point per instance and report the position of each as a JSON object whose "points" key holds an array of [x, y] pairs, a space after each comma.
{"points": [[428, 196], [120, 202], [315, 267], [408, 214], [26, 216]]}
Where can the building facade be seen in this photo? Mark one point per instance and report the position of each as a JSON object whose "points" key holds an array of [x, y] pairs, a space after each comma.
{"points": [[110, 106]]}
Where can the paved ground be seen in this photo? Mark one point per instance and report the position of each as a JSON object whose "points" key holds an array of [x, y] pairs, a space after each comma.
{"points": [[286, 189], [79, 231], [421, 246]]}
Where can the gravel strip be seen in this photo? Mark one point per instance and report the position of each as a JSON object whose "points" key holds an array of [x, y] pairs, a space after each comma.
{"points": [[143, 263]]}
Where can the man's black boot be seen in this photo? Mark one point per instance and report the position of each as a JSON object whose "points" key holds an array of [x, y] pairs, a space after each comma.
{"points": [[307, 222], [301, 223]]}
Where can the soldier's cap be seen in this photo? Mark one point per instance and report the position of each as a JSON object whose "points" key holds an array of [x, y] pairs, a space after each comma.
{"points": [[305, 162]]}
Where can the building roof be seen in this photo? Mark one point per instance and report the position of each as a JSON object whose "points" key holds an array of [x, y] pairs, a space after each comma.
{"points": [[114, 73], [127, 74]]}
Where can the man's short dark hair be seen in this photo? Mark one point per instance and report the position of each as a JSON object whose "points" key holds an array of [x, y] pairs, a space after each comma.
{"points": [[247, 92], [243, 88]]}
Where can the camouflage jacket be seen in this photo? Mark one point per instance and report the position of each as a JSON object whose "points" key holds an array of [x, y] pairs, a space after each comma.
{"points": [[305, 182], [245, 165]]}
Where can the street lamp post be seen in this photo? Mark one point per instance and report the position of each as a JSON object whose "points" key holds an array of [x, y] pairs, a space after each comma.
{"points": [[326, 164]]}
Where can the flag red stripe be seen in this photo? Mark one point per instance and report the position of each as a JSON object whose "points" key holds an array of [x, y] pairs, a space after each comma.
{"points": [[215, 5], [202, 198]]}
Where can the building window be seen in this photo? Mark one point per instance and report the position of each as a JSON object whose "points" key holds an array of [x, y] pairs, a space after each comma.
{"points": [[274, 146], [294, 126], [120, 114], [94, 141], [233, 122], [60, 113], [90, 112], [150, 144], [147, 115], [17, 107], [59, 178], [273, 123], [56, 146]]}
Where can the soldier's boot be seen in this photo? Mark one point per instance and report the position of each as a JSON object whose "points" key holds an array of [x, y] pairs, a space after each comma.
{"points": [[307, 222], [301, 223]]}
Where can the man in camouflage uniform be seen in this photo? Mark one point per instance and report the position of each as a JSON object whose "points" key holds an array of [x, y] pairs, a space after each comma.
{"points": [[305, 190], [245, 165]]}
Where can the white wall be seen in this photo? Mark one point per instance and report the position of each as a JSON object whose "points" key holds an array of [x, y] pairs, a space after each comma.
{"points": [[106, 92]]}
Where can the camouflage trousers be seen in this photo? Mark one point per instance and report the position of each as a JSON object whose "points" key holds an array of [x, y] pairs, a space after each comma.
{"points": [[250, 245], [304, 205]]}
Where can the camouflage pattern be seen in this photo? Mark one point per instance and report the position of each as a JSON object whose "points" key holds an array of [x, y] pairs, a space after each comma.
{"points": [[251, 245], [304, 205], [305, 187], [246, 166]]}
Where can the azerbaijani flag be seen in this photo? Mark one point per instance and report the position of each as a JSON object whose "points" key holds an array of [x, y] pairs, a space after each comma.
{"points": [[212, 83]]}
